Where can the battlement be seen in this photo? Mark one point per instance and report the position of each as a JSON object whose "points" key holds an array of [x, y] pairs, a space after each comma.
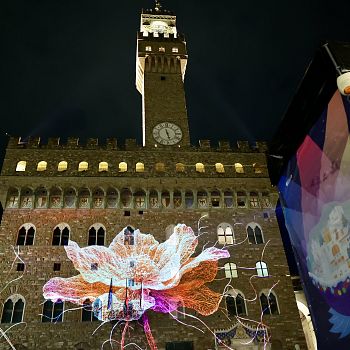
{"points": [[130, 145], [161, 36]]}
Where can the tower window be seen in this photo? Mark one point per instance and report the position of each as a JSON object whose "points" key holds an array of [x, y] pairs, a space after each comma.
{"points": [[200, 168], [21, 166], [140, 167], [180, 167], [103, 166], [83, 166], [62, 166], [175, 49], [162, 77], [123, 167], [160, 167], [254, 200], [255, 235], [162, 49], [41, 166], [219, 167], [239, 168], [148, 48]]}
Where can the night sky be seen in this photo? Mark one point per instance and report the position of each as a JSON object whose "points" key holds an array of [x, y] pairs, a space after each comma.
{"points": [[68, 67]]}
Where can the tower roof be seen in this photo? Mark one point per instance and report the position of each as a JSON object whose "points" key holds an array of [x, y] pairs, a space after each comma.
{"points": [[158, 10]]}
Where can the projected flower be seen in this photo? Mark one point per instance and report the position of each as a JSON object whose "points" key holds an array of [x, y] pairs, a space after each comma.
{"points": [[137, 273]]}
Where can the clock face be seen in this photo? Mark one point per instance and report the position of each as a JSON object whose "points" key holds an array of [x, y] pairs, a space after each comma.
{"points": [[167, 133]]}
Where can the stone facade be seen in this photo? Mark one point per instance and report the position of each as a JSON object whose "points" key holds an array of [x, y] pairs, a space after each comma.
{"points": [[222, 185]]}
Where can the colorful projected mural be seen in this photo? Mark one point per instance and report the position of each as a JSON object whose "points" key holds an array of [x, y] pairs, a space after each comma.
{"points": [[137, 274], [315, 194]]}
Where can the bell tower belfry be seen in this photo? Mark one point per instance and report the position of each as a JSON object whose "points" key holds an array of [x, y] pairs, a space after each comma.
{"points": [[160, 71]]}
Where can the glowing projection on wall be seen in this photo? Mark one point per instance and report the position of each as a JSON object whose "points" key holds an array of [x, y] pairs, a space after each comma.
{"points": [[136, 274]]}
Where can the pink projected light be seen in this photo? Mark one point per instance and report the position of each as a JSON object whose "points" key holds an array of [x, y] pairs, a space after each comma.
{"points": [[136, 273]]}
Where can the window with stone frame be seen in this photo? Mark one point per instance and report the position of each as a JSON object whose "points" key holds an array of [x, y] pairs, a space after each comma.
{"points": [[215, 198], [26, 234], [12, 198], [254, 200], [13, 309], [241, 199], [52, 312], [228, 199], [87, 314], [102, 166], [148, 48], [84, 198], [239, 168], [230, 270], [153, 199], [177, 198], [98, 198], [200, 168], [165, 199], [62, 166], [83, 166], [60, 235], [235, 304], [42, 166], [140, 167], [269, 303], [258, 169], [129, 237], [69, 199], [41, 198], [55, 197], [202, 199], [27, 198], [225, 234], [21, 166], [96, 236], [126, 198], [180, 167], [112, 198], [255, 234], [261, 269], [175, 50], [189, 199], [140, 199], [123, 167], [159, 167], [265, 200], [219, 167]]}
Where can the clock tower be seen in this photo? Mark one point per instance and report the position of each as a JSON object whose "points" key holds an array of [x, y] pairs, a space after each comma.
{"points": [[160, 72]]}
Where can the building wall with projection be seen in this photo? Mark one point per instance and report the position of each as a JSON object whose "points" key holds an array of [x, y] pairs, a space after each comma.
{"points": [[54, 193]]}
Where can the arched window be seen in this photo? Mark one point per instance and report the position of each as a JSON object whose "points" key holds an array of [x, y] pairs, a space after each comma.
{"points": [[12, 198], [41, 198], [112, 198], [200, 168], [62, 166], [13, 309], [60, 235], [41, 166], [261, 269], [160, 167], [140, 199], [27, 198], [202, 199], [235, 304], [83, 166], [215, 197], [123, 167], [225, 234], [254, 200], [239, 168], [179, 167], [255, 235], [52, 312], [69, 198], [219, 167], [165, 199], [103, 166], [98, 198], [126, 197], [84, 198], [87, 315], [230, 270], [228, 199], [241, 199], [26, 235], [189, 199], [257, 168], [96, 235], [177, 198], [129, 237], [55, 197], [153, 199], [21, 165], [265, 198], [140, 167], [269, 304]]}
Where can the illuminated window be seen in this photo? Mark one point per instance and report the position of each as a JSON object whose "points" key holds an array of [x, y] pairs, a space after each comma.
{"points": [[219, 168], [200, 167], [26, 235], [257, 168], [96, 235], [62, 166], [13, 309], [215, 197], [52, 312], [165, 199], [269, 304], [175, 49], [202, 199], [103, 166], [126, 198], [239, 168], [140, 167], [179, 167], [140, 199], [162, 49], [265, 199], [123, 167], [60, 235], [83, 166], [148, 48], [21, 166], [87, 314], [41, 166], [177, 197], [255, 235], [228, 199], [160, 167], [235, 304], [225, 234], [254, 200], [241, 199], [261, 269], [230, 270]]}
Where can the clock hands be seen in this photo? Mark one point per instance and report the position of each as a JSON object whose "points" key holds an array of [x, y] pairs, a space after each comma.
{"points": [[167, 133]]}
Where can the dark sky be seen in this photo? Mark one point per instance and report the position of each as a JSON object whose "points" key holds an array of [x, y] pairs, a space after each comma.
{"points": [[68, 66]]}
